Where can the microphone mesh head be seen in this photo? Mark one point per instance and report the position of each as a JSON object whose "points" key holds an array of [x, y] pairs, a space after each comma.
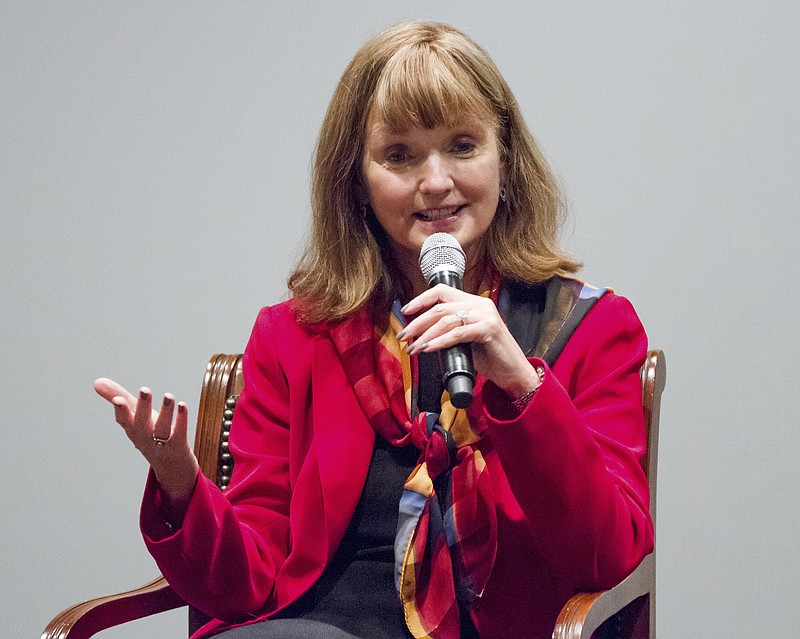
{"points": [[441, 251]]}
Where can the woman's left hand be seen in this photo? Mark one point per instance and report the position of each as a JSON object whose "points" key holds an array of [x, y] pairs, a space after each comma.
{"points": [[455, 317]]}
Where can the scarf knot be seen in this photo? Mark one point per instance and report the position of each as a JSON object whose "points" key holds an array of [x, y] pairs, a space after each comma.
{"points": [[439, 448]]}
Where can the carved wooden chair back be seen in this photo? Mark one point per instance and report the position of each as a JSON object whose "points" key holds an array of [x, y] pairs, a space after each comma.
{"points": [[222, 384], [221, 387]]}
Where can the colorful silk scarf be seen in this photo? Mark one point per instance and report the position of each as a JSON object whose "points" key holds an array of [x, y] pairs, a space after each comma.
{"points": [[446, 539], [447, 530]]}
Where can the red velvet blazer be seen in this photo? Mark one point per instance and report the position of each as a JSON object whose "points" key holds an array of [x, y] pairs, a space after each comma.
{"points": [[571, 497]]}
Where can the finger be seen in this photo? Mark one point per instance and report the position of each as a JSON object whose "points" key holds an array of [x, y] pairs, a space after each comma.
{"points": [[123, 414], [142, 419], [437, 294], [423, 322], [163, 426], [108, 389], [447, 324], [179, 432], [439, 337]]}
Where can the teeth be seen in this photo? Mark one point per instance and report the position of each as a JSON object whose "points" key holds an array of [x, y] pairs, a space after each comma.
{"points": [[438, 214]]}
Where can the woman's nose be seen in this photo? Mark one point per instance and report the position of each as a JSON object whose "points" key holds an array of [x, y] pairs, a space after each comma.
{"points": [[436, 175]]}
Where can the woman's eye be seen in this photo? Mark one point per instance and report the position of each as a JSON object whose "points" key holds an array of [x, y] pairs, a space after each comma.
{"points": [[397, 155], [464, 147]]}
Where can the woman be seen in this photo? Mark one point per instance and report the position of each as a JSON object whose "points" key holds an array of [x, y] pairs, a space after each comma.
{"points": [[505, 509]]}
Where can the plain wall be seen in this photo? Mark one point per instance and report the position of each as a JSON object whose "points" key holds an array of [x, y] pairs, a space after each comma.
{"points": [[154, 194]]}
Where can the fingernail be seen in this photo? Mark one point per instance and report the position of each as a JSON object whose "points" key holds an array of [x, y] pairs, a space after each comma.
{"points": [[181, 407], [401, 334], [143, 394], [167, 401], [416, 348]]}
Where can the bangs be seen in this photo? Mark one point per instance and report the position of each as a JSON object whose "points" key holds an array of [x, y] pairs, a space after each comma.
{"points": [[421, 85]]}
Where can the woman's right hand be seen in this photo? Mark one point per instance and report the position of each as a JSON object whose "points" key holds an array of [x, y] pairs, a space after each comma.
{"points": [[163, 444]]}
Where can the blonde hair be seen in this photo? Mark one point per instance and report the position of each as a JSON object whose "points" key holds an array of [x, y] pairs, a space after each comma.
{"points": [[418, 74]]}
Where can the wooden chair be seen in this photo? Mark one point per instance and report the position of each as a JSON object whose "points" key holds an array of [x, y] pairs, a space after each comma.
{"points": [[625, 611]]}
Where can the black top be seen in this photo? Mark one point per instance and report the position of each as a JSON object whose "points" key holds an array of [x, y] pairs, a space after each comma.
{"points": [[357, 592]]}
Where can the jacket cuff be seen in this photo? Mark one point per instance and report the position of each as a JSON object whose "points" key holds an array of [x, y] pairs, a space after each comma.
{"points": [[499, 407], [159, 518]]}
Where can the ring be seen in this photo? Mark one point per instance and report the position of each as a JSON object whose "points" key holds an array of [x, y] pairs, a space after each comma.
{"points": [[160, 441], [463, 315]]}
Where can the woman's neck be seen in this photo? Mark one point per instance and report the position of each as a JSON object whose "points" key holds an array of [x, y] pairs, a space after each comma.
{"points": [[474, 276], [477, 269]]}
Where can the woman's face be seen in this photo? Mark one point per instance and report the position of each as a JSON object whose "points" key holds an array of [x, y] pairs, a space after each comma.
{"points": [[424, 181]]}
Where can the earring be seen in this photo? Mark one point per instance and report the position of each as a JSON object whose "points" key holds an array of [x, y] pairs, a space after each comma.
{"points": [[502, 194]]}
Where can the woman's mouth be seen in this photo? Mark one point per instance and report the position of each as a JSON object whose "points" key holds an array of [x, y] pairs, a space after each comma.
{"points": [[433, 215]]}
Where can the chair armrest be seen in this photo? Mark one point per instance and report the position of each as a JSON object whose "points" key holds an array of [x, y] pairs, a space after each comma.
{"points": [[83, 620], [583, 614]]}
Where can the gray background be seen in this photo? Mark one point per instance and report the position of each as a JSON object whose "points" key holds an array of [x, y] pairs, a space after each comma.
{"points": [[154, 178]]}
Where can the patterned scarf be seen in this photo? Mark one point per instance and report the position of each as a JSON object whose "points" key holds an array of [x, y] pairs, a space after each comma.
{"points": [[447, 530]]}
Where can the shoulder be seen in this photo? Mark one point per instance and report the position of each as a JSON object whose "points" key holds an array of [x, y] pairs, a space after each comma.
{"points": [[284, 317], [608, 312], [579, 322], [275, 332], [614, 313], [605, 306], [281, 319], [278, 336], [611, 337], [610, 316], [276, 315], [545, 316]]}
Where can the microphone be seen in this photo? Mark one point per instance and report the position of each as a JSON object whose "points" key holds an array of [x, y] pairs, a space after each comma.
{"points": [[442, 261]]}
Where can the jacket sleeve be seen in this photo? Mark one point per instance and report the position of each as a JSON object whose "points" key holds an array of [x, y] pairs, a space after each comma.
{"points": [[225, 554], [572, 457]]}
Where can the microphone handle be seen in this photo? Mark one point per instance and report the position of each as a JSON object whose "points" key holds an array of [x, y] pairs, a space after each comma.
{"points": [[455, 363]]}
